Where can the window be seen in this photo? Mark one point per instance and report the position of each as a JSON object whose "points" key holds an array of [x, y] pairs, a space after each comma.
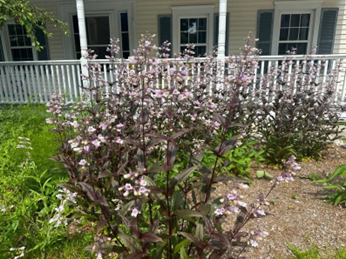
{"points": [[98, 35], [194, 31], [20, 44], [294, 33], [125, 40], [193, 25], [295, 26]]}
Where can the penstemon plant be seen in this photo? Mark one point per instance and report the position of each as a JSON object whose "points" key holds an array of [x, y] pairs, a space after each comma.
{"points": [[133, 149]]}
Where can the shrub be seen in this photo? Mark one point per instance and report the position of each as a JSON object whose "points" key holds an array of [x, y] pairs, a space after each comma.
{"points": [[296, 112], [133, 153]]}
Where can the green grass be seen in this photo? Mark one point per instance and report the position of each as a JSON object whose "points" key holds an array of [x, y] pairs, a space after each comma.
{"points": [[315, 253], [29, 206]]}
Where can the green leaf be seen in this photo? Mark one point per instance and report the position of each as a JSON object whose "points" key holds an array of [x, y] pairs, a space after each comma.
{"points": [[183, 243], [183, 254], [260, 174], [187, 213], [199, 231], [182, 176]]}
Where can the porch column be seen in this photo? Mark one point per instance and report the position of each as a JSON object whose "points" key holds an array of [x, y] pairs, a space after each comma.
{"points": [[82, 36], [222, 29]]}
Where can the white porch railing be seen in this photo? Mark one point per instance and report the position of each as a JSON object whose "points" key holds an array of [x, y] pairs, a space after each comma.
{"points": [[35, 81]]}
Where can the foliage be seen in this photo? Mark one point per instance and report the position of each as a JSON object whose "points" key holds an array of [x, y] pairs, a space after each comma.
{"points": [[134, 153], [296, 112], [337, 182], [28, 185], [236, 161], [30, 16], [315, 253]]}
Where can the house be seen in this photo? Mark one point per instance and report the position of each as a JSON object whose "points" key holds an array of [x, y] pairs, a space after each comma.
{"points": [[279, 25]]}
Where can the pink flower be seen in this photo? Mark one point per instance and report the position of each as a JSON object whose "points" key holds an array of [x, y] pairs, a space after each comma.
{"points": [[134, 212], [91, 129], [82, 162], [96, 143], [242, 204]]}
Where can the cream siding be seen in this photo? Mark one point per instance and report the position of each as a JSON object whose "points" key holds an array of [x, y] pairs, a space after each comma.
{"points": [[242, 19]]}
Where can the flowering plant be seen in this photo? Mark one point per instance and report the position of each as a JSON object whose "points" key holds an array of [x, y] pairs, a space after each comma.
{"points": [[133, 149]]}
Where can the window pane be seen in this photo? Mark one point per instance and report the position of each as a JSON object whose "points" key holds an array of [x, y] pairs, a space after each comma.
{"points": [[126, 54], [184, 37], [98, 30], [283, 34], [13, 41], [28, 41], [124, 22], [184, 24], [285, 20], [283, 48], [193, 38], [200, 51], [202, 37], [11, 29], [302, 48], [202, 24], [21, 41], [294, 33], [303, 33], [192, 26], [101, 52], [295, 18], [292, 46], [182, 49], [125, 41], [20, 30], [305, 20]]}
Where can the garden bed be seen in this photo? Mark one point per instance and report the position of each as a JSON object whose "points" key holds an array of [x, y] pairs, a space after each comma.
{"points": [[298, 214]]}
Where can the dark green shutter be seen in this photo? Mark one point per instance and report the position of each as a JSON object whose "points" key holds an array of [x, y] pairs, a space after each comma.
{"points": [[165, 29], [326, 35], [42, 39], [264, 30], [216, 31], [2, 57]]}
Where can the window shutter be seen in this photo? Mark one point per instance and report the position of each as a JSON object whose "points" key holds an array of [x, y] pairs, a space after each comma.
{"points": [[216, 31], [43, 54], [165, 29], [264, 30], [327, 30], [2, 57]]}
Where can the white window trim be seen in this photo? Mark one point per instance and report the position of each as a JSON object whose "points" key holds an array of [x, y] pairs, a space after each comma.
{"points": [[3, 41], [287, 7], [7, 44], [203, 11], [103, 8]]}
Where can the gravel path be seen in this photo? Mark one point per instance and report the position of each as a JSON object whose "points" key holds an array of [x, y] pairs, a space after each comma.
{"points": [[302, 220]]}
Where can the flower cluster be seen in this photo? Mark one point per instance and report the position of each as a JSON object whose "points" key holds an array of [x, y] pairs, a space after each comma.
{"points": [[65, 196], [18, 250]]}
